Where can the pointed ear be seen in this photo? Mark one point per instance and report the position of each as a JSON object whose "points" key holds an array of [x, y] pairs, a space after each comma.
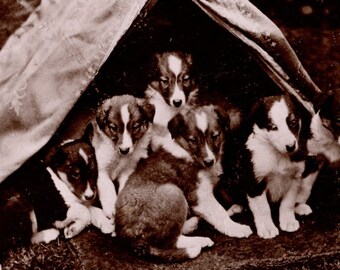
{"points": [[88, 133], [147, 109], [176, 126]]}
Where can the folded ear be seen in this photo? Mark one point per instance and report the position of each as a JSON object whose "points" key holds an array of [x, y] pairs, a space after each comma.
{"points": [[102, 113], [54, 157], [147, 109], [176, 126], [229, 118]]}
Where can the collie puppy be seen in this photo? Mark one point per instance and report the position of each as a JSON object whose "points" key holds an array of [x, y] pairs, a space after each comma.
{"points": [[323, 146], [153, 207], [271, 171], [43, 197], [121, 137], [171, 89]]}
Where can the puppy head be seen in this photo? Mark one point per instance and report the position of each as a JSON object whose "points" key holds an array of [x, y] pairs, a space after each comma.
{"points": [[171, 76], [75, 164], [125, 120], [277, 122], [330, 114], [201, 133]]}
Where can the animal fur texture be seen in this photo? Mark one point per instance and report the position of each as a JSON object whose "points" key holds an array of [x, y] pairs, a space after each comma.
{"points": [[153, 206]]}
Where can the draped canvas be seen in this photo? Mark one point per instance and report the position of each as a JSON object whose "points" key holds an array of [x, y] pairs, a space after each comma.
{"points": [[47, 64], [49, 61]]}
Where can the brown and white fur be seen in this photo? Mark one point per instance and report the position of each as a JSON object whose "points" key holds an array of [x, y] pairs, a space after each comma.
{"points": [[43, 197], [121, 138], [323, 145], [272, 174], [171, 89], [153, 206]]}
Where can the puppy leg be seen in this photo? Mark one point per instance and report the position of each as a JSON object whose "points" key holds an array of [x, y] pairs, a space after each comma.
{"points": [[78, 217], [210, 209], [99, 220], [287, 218], [107, 194], [45, 236], [193, 244], [302, 208], [190, 225], [260, 208]]}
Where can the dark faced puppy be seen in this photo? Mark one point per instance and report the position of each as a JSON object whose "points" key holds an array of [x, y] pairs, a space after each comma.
{"points": [[153, 206], [45, 196], [122, 133], [271, 171]]}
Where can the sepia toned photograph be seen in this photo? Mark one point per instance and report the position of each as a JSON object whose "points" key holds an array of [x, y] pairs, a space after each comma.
{"points": [[169, 134]]}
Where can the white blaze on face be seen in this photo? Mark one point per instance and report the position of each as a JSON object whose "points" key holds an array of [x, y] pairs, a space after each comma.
{"points": [[281, 137], [127, 140], [202, 124], [88, 191], [175, 66], [83, 155]]}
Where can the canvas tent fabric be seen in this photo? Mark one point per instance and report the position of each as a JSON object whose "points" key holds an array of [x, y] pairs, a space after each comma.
{"points": [[47, 64]]}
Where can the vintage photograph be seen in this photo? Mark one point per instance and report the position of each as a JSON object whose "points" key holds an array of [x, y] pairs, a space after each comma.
{"points": [[169, 134]]}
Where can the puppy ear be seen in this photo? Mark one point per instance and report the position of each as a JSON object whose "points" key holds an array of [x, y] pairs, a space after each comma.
{"points": [[229, 117], [101, 116], [147, 109], [88, 133], [54, 157], [176, 126], [256, 114]]}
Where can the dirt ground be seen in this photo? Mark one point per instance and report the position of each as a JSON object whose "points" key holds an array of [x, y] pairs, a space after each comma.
{"points": [[316, 245]]}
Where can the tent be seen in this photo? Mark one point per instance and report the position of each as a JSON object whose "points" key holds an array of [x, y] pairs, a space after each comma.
{"points": [[50, 62]]}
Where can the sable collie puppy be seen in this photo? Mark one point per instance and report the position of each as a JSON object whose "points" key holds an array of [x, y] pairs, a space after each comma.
{"points": [[171, 85], [153, 206], [45, 196], [171, 89], [271, 171], [121, 138], [323, 145]]}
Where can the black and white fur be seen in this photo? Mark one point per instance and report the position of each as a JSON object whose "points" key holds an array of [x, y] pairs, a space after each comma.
{"points": [[323, 145], [171, 89], [43, 197], [152, 209], [121, 138], [272, 173]]}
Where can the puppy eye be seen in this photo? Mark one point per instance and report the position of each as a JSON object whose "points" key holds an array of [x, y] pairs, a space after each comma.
{"points": [[193, 139], [114, 128], [186, 78], [337, 121], [271, 127], [215, 135], [164, 80], [136, 126]]}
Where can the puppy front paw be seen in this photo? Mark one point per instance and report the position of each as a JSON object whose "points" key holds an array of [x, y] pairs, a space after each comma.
{"points": [[45, 236], [190, 225], [73, 229], [303, 209], [238, 230], [289, 225], [267, 229]]}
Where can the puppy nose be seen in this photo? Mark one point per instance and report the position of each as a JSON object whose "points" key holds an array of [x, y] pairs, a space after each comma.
{"points": [[291, 148], [208, 162], [177, 102], [89, 197], [124, 151]]}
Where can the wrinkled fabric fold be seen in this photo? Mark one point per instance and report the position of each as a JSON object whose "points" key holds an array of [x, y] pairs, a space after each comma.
{"points": [[47, 64]]}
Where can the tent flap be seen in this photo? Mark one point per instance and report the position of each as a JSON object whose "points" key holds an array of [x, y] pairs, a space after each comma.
{"points": [[47, 64]]}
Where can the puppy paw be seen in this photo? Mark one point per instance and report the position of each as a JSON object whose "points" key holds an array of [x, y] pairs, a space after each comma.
{"points": [[205, 242], [238, 230], [267, 230], [303, 209], [45, 236], [190, 225], [289, 225], [73, 229], [193, 252], [235, 209]]}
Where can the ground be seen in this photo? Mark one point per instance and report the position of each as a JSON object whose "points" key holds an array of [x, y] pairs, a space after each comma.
{"points": [[316, 245]]}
